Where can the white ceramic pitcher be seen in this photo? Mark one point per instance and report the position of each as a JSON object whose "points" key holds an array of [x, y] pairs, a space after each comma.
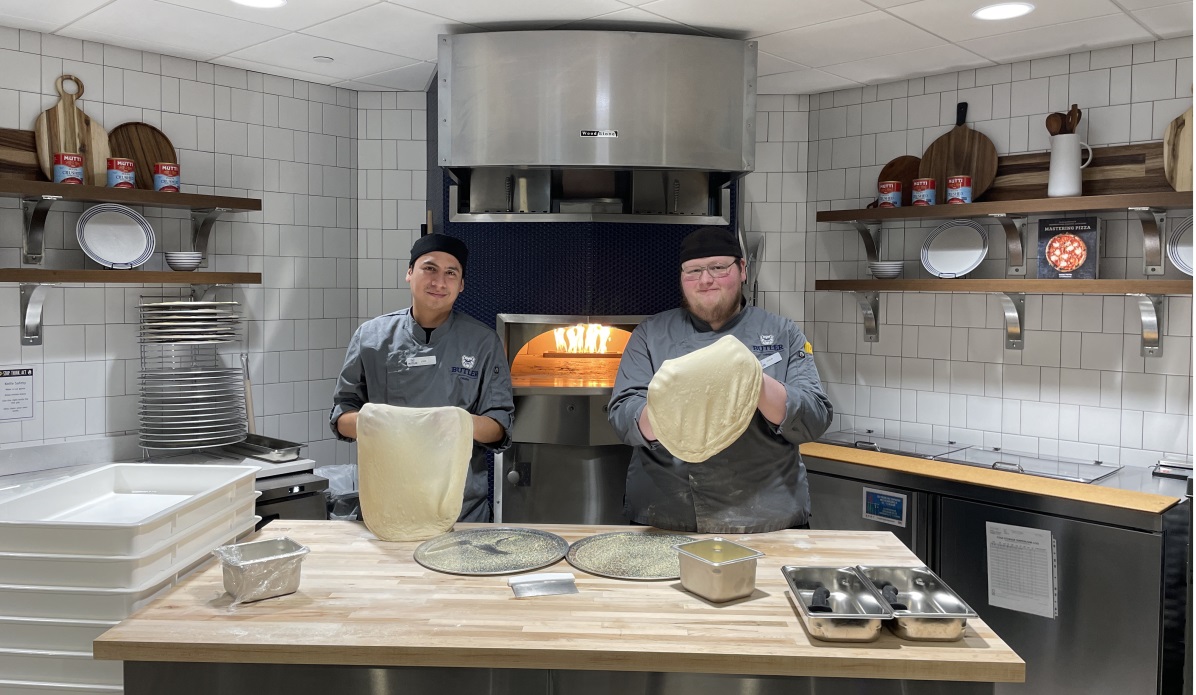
{"points": [[1065, 178]]}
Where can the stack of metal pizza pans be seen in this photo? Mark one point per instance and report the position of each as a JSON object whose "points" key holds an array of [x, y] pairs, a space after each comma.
{"points": [[189, 399]]}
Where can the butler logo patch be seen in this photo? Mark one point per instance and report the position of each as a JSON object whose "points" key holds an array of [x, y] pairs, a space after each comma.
{"points": [[467, 361]]}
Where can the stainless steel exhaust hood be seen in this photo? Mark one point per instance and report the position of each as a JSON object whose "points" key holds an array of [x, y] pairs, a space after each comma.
{"points": [[563, 126]]}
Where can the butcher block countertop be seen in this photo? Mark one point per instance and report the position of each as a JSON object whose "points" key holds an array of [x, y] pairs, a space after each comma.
{"points": [[367, 602], [1133, 500]]}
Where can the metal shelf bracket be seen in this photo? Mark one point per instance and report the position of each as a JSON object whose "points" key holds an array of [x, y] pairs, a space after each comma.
{"points": [[202, 222], [1014, 306], [1152, 307], [33, 297], [1015, 242], [33, 242], [870, 309], [205, 293], [870, 234], [1154, 221]]}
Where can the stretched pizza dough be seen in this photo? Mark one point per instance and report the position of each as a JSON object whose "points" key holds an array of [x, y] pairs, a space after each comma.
{"points": [[411, 466], [700, 403]]}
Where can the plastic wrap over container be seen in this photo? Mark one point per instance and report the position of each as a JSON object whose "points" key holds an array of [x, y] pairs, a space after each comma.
{"points": [[261, 569]]}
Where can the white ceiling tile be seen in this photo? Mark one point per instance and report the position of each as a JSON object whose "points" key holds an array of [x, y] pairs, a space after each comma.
{"points": [[885, 4], [802, 82], [524, 14], [768, 64], [169, 29], [295, 51], [255, 66], [413, 78], [293, 16], [634, 19], [1086, 34], [744, 20], [636, 3], [389, 28], [1133, 5], [1169, 21], [844, 40], [953, 20], [44, 16], [926, 61]]}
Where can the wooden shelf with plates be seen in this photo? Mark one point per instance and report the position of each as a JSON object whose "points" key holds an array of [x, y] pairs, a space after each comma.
{"points": [[1020, 285]]}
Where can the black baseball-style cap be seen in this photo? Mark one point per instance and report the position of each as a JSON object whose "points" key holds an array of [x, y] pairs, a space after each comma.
{"points": [[710, 241], [439, 242]]}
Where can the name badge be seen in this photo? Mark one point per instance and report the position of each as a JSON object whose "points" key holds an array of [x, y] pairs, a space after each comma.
{"points": [[770, 360], [425, 361]]}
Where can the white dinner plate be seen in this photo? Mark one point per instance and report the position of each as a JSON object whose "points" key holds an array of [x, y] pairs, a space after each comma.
{"points": [[115, 236], [955, 248], [1179, 246]]}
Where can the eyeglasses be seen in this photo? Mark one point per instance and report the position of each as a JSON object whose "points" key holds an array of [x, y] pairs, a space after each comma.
{"points": [[716, 270]]}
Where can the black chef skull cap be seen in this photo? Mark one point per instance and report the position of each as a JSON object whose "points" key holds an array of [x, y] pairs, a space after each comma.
{"points": [[439, 242], [710, 241]]}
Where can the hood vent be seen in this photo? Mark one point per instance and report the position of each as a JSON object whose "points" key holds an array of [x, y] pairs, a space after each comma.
{"points": [[576, 126]]}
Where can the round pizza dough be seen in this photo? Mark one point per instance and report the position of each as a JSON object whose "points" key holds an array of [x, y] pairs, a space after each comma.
{"points": [[700, 403], [411, 467]]}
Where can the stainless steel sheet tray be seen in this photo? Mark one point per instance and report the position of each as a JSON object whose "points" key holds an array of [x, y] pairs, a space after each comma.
{"points": [[924, 608], [850, 609], [639, 555], [267, 448], [491, 551]]}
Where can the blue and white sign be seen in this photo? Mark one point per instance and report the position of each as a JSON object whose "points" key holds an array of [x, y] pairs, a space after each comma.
{"points": [[884, 506]]}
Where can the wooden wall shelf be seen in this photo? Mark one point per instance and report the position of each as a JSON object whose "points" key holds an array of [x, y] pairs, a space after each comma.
{"points": [[19, 188], [1033, 206], [1028, 286]]}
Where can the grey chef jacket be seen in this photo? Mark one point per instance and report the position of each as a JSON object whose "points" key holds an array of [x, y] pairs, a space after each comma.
{"points": [[755, 485], [470, 372]]}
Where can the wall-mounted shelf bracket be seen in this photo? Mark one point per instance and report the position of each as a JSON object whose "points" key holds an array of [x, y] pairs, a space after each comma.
{"points": [[33, 243], [1154, 221], [1015, 242], [870, 234], [1152, 307], [202, 222], [33, 296], [1014, 306], [205, 293], [870, 309]]}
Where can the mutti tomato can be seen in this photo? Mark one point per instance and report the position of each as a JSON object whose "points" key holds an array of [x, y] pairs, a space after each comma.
{"points": [[121, 173], [166, 177], [923, 192], [68, 167], [890, 194], [959, 190]]}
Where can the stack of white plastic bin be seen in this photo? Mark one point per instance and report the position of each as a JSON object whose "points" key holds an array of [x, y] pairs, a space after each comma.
{"points": [[81, 554]]}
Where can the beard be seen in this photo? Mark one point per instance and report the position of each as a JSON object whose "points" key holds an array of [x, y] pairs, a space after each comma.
{"points": [[716, 315]]}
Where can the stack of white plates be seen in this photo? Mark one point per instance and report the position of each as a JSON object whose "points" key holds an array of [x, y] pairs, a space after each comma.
{"points": [[183, 260], [1179, 246], [79, 555], [884, 270]]}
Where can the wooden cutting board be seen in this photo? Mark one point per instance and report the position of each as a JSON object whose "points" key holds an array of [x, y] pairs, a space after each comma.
{"points": [[960, 151], [1177, 152], [146, 146], [1114, 170], [65, 128], [904, 169], [18, 155]]}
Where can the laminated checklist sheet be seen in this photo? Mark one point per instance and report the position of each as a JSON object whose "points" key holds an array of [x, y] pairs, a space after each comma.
{"points": [[1021, 569], [16, 393]]}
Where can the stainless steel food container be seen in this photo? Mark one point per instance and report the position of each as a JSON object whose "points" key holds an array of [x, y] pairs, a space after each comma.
{"points": [[266, 448], [261, 569], [933, 611], [857, 610], [717, 569]]}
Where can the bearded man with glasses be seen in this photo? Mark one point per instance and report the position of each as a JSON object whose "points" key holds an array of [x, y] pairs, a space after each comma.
{"points": [[758, 482]]}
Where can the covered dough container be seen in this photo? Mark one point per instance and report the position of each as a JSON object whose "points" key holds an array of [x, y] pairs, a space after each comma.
{"points": [[261, 569], [717, 569]]}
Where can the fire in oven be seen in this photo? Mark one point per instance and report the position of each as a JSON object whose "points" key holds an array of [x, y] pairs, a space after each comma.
{"points": [[566, 465]]}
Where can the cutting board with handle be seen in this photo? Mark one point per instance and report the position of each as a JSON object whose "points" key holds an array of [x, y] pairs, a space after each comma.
{"points": [[1115, 170], [65, 128], [1177, 152], [961, 151], [146, 146], [18, 155]]}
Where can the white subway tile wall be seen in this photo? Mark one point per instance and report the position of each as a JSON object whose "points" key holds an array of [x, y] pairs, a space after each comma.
{"points": [[1080, 387]]}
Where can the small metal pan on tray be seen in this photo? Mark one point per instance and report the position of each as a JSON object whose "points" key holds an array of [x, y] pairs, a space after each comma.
{"points": [[924, 608], [266, 448], [836, 604]]}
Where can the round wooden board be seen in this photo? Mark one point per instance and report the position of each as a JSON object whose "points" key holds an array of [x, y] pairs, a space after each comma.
{"points": [[1177, 152], [904, 169], [146, 146]]}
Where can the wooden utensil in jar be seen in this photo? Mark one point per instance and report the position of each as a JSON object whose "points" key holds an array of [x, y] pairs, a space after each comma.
{"points": [[1073, 118], [65, 128], [1055, 122]]}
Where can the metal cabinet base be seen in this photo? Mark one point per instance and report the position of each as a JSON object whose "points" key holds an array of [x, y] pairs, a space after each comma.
{"points": [[554, 484]]}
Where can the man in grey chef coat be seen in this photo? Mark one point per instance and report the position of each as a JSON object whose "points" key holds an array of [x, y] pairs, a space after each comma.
{"points": [[428, 355], [758, 483]]}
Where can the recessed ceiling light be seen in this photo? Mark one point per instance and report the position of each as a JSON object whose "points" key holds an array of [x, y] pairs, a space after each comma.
{"points": [[263, 4], [323, 59], [1004, 10]]}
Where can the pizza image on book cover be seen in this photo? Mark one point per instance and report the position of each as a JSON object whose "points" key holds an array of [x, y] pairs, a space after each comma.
{"points": [[1069, 248]]}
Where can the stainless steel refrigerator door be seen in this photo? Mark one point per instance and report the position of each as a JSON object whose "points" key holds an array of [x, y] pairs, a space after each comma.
{"points": [[838, 504], [553, 484]]}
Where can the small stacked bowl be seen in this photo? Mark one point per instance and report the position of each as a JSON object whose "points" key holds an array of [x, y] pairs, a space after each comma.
{"points": [[885, 270], [183, 260]]}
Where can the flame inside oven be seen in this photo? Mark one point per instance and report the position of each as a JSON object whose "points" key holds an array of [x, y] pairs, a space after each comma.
{"points": [[589, 338], [582, 354]]}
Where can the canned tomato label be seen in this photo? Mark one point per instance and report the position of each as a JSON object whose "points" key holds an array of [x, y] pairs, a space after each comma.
{"points": [[890, 194], [959, 190], [68, 167], [166, 177], [120, 173], [924, 191]]}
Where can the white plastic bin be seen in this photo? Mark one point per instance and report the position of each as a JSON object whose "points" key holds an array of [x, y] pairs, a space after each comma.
{"points": [[122, 509], [59, 667], [54, 634]]}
